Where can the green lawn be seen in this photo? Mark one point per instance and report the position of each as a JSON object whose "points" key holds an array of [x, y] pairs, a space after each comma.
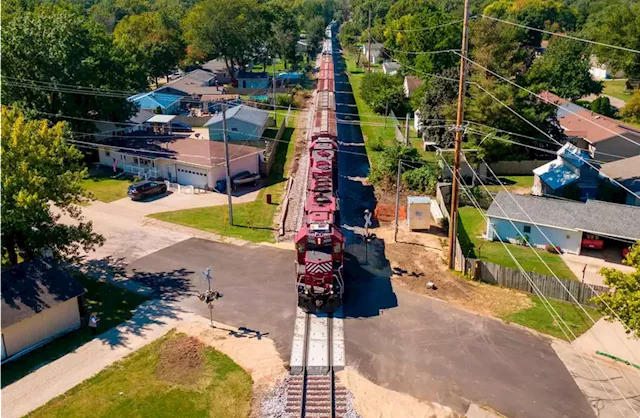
{"points": [[366, 115], [113, 304], [105, 188], [513, 182], [137, 386], [539, 318], [471, 225], [616, 88], [252, 221]]}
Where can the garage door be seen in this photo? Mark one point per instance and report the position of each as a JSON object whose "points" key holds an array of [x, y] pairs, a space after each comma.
{"points": [[189, 176]]}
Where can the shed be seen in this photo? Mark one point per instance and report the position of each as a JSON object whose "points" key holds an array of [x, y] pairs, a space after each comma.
{"points": [[243, 123], [40, 301], [419, 212]]}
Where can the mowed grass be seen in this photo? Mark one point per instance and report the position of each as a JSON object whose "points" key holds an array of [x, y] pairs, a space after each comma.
{"points": [[512, 183], [539, 318], [616, 88], [252, 221], [114, 306], [132, 388], [106, 189], [471, 226]]}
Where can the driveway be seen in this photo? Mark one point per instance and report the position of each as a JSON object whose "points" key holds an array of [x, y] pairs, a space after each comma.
{"points": [[594, 262], [610, 338]]}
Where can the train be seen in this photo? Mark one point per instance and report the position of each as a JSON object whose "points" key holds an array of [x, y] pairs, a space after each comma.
{"points": [[320, 242]]}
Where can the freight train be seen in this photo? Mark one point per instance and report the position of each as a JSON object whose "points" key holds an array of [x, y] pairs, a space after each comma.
{"points": [[319, 242]]}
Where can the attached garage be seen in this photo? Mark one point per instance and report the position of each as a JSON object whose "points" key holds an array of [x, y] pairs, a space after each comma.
{"points": [[192, 176], [40, 301]]}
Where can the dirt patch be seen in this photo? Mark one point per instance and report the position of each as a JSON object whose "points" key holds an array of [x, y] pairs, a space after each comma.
{"points": [[248, 348], [385, 212], [419, 258], [180, 360], [373, 401]]}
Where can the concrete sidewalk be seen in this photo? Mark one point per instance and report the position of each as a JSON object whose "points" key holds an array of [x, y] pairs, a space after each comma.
{"points": [[610, 338], [152, 320]]}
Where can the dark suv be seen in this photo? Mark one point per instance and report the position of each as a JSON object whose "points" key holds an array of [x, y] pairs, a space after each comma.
{"points": [[143, 189]]}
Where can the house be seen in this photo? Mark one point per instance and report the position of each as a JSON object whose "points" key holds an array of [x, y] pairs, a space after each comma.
{"points": [[568, 174], [249, 80], [605, 138], [410, 84], [178, 158], [377, 50], [243, 123], [564, 222], [626, 172], [40, 302], [219, 69], [198, 82], [600, 71], [290, 77], [168, 103], [390, 68]]}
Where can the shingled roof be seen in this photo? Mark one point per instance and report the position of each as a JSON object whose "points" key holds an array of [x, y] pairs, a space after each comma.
{"points": [[34, 286]]}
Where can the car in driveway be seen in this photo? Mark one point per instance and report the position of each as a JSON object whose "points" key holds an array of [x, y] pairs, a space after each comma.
{"points": [[144, 189], [180, 127], [241, 179]]}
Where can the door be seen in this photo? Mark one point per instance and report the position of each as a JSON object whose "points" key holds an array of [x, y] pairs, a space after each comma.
{"points": [[190, 176]]}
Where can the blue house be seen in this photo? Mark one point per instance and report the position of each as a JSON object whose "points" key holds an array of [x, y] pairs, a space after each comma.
{"points": [[247, 80], [568, 175], [169, 103], [244, 123]]}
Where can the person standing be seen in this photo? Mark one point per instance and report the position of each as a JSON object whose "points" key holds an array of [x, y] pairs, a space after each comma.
{"points": [[93, 322]]}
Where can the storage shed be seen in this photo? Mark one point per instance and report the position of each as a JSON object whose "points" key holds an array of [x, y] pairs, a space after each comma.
{"points": [[40, 301], [419, 212]]}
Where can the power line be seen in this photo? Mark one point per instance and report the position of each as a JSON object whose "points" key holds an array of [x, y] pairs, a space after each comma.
{"points": [[542, 297], [563, 35]]}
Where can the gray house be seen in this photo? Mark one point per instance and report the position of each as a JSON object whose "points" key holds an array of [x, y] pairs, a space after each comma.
{"points": [[244, 123]]}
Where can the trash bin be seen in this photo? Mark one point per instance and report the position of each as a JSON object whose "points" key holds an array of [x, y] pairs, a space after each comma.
{"points": [[268, 199]]}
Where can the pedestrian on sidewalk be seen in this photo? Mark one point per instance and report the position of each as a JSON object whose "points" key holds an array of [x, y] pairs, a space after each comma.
{"points": [[93, 322]]}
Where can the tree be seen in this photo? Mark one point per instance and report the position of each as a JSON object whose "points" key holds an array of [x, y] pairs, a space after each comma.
{"points": [[59, 46], [423, 179], [383, 93], [314, 29], [602, 105], [631, 110], [438, 94], [625, 299], [285, 33], [151, 42], [40, 170], [617, 23], [230, 30], [387, 167], [564, 69]]}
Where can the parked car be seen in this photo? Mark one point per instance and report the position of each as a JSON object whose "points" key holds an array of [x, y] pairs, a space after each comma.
{"points": [[592, 241], [241, 179], [144, 189], [180, 127]]}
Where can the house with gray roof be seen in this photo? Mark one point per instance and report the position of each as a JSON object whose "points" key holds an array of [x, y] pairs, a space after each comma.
{"points": [[40, 302], [564, 222], [244, 123], [627, 173]]}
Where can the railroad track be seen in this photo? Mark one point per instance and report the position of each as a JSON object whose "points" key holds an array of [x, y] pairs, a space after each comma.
{"points": [[317, 353]]}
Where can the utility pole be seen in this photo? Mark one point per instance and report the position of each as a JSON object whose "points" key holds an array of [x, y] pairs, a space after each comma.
{"points": [[453, 218], [226, 157], [406, 131], [369, 49], [395, 234], [275, 114]]}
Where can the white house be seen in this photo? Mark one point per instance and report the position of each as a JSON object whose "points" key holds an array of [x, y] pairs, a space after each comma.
{"points": [[410, 84], [390, 68], [376, 52], [512, 216], [40, 301], [182, 160], [243, 123]]}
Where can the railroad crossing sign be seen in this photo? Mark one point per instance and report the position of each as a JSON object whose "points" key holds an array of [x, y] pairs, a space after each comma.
{"points": [[367, 218], [210, 295], [367, 224]]}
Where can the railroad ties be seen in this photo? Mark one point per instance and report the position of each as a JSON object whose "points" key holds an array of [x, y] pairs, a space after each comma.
{"points": [[317, 352]]}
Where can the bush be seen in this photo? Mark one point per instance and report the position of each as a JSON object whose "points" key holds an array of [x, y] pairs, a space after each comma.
{"points": [[386, 169], [285, 100], [631, 110], [602, 105], [423, 179], [376, 144], [553, 249]]}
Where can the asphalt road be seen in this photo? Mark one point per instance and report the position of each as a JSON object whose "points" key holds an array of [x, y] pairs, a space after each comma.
{"points": [[257, 283]]}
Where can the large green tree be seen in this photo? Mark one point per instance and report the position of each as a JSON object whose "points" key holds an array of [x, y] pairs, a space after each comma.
{"points": [[285, 33], [564, 69], [230, 30], [624, 300], [41, 170], [148, 38], [383, 93], [49, 53], [617, 23]]}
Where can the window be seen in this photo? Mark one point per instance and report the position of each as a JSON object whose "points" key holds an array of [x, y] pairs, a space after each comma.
{"points": [[527, 229], [107, 153], [234, 129]]}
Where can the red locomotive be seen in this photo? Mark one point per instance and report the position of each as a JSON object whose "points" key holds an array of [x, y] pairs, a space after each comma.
{"points": [[320, 243]]}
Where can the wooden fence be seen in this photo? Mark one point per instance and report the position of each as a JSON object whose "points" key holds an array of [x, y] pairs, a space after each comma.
{"points": [[549, 286], [272, 146], [398, 129]]}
